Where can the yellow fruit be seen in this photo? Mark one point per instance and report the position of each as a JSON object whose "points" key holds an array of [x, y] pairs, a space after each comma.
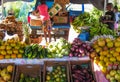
{"points": [[104, 52], [101, 63], [101, 43], [116, 54], [108, 39], [106, 59], [108, 63], [19, 56], [104, 69], [13, 56], [113, 59], [1, 57], [118, 49], [47, 77], [7, 77], [102, 57], [3, 52], [98, 49], [7, 56], [117, 44], [110, 44], [118, 58], [9, 68]]}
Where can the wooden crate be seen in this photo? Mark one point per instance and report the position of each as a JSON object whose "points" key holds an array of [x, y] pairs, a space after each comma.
{"points": [[55, 63], [33, 70], [4, 65], [60, 19], [83, 64]]}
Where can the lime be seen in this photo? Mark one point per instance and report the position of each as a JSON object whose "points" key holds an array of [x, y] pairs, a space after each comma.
{"points": [[57, 79]]}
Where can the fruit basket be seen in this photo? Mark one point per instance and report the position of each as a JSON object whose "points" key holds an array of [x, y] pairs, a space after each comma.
{"points": [[28, 73], [7, 71], [56, 71], [81, 71]]}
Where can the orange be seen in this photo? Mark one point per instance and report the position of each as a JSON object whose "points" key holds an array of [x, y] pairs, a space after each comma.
{"points": [[1, 56], [13, 56]]}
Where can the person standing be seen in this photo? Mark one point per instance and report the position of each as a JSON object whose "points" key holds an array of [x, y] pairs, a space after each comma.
{"points": [[109, 17], [44, 16], [117, 18]]}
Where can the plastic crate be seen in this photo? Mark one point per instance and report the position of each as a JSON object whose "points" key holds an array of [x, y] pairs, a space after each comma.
{"points": [[75, 13]]}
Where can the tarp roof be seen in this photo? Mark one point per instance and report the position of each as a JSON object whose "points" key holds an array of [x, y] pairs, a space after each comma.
{"points": [[97, 3]]}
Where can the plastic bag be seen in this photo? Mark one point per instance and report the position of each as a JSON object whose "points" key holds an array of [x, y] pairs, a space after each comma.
{"points": [[24, 12]]}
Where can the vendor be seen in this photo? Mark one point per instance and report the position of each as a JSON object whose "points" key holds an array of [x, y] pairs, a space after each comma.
{"points": [[44, 16], [109, 17], [10, 12]]}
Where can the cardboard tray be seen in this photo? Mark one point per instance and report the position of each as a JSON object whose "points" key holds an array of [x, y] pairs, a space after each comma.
{"points": [[86, 63], [4, 65], [56, 63], [32, 70]]}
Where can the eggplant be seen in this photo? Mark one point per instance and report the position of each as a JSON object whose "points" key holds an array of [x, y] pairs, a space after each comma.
{"points": [[76, 76]]}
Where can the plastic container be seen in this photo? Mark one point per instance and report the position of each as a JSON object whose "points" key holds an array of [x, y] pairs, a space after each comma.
{"points": [[84, 36]]}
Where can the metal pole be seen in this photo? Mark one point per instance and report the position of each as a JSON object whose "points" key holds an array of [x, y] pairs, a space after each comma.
{"points": [[104, 7], [2, 8]]}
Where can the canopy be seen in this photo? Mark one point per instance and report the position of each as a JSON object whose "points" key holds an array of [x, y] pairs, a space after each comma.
{"points": [[97, 3]]}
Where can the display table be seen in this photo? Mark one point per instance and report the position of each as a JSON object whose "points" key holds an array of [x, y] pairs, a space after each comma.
{"points": [[40, 61]]}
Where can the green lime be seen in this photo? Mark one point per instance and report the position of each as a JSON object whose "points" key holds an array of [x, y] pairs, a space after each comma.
{"points": [[58, 68], [57, 79]]}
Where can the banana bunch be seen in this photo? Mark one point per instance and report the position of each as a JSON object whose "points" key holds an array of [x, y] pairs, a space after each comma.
{"points": [[100, 29], [81, 21]]}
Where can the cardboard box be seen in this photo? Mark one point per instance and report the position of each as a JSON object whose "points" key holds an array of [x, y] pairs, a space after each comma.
{"points": [[55, 63], [32, 70], [35, 22], [54, 10], [4, 65], [63, 13], [60, 19], [83, 64]]}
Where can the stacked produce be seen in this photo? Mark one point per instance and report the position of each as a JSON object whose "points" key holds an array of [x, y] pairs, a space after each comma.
{"points": [[2, 35], [57, 74], [100, 29], [35, 51], [12, 26], [11, 49], [80, 49], [24, 78], [107, 53], [83, 19], [81, 74], [6, 73], [59, 48]]}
